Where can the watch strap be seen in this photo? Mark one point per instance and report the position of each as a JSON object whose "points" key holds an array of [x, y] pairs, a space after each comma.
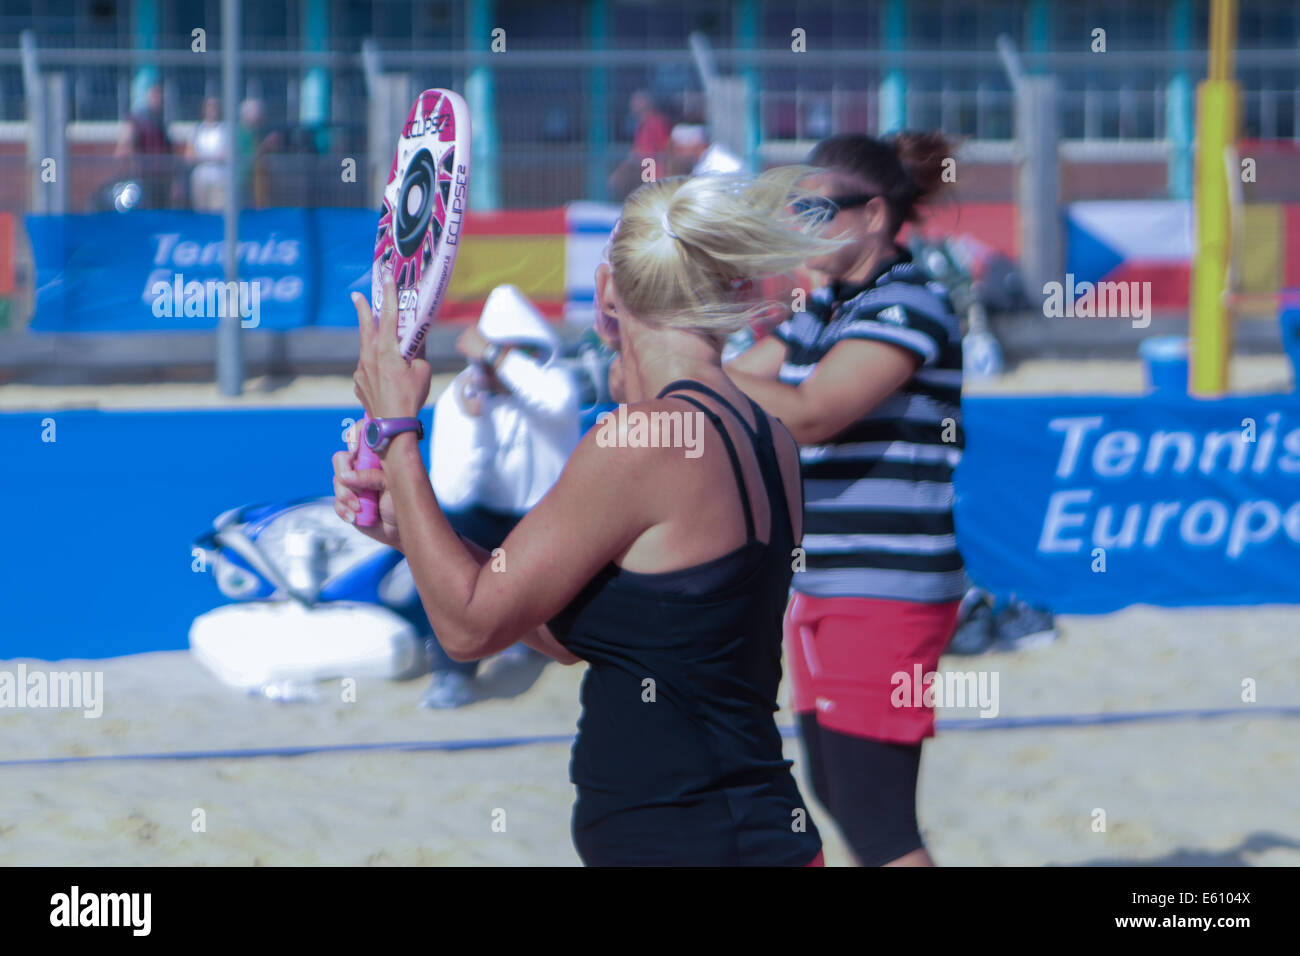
{"points": [[390, 428]]}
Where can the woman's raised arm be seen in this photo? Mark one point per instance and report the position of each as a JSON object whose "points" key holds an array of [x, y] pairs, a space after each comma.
{"points": [[479, 607]]}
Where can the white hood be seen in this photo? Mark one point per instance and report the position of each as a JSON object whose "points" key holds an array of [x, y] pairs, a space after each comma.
{"points": [[509, 318], [718, 159]]}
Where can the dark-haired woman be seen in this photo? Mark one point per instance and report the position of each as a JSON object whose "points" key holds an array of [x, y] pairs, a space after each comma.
{"points": [[868, 380]]}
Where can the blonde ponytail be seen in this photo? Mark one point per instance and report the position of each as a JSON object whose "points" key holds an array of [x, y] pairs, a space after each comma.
{"points": [[683, 244]]}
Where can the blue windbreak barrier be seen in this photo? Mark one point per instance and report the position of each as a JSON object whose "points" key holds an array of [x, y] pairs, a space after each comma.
{"points": [[1089, 504], [149, 271], [1189, 507], [345, 239], [97, 558]]}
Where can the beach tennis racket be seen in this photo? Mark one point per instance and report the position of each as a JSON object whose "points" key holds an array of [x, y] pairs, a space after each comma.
{"points": [[419, 232]]}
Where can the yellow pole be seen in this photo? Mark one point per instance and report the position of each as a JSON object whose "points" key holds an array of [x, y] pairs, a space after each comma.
{"points": [[1216, 130]]}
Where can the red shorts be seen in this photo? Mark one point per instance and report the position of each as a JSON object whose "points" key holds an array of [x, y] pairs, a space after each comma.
{"points": [[856, 662]]}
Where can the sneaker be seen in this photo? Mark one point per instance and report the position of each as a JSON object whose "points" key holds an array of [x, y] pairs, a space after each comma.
{"points": [[519, 654], [1020, 626], [973, 597], [975, 630], [448, 690]]}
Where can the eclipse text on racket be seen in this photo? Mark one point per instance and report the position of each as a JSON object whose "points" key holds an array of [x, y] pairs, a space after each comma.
{"points": [[638, 429], [74, 909], [426, 124], [457, 211], [21, 689], [210, 299]]}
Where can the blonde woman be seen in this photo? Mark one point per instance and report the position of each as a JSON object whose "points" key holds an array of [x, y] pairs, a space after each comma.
{"points": [[666, 573]]}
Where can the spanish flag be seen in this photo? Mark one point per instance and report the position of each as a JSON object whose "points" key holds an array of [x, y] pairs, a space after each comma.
{"points": [[523, 248]]}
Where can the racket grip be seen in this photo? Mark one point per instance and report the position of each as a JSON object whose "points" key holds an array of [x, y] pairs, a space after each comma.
{"points": [[367, 459]]}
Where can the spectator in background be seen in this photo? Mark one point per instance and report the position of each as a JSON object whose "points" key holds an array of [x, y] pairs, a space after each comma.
{"points": [[253, 143], [210, 153], [691, 153], [502, 432], [687, 145], [147, 148], [650, 139]]}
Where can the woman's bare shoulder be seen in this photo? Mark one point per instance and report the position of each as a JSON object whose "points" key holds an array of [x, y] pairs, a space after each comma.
{"points": [[641, 429]]}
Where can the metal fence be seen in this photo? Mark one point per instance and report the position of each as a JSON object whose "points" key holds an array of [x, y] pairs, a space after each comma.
{"points": [[561, 120]]}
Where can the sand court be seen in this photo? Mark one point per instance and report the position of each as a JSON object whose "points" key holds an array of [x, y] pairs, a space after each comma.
{"points": [[1214, 791], [1210, 790]]}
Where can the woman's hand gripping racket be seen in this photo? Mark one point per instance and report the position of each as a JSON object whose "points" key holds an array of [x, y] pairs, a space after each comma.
{"points": [[419, 232]]}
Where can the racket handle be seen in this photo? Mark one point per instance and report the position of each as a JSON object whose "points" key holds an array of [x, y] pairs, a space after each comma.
{"points": [[367, 459]]}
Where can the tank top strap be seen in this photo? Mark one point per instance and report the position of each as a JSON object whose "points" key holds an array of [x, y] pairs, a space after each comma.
{"points": [[769, 466], [764, 432], [690, 385], [761, 437], [731, 453]]}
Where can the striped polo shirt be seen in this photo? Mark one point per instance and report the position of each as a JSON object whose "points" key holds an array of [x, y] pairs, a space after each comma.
{"points": [[879, 495]]}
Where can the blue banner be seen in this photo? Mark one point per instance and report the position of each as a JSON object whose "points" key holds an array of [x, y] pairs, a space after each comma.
{"points": [[147, 271], [97, 559], [1088, 504], [1080, 504], [346, 240]]}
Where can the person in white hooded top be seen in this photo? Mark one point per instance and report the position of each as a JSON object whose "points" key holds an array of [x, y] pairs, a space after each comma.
{"points": [[502, 432]]}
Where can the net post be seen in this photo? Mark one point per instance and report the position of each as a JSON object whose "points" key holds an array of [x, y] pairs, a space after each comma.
{"points": [[597, 35], [1209, 320], [480, 94], [230, 344]]}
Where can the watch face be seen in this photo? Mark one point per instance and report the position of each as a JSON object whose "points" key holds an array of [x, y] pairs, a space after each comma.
{"points": [[372, 435]]}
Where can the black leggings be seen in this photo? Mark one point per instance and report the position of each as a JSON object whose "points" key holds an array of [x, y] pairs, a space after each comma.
{"points": [[869, 788]]}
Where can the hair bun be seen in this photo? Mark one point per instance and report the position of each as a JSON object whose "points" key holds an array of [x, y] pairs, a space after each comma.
{"points": [[923, 156]]}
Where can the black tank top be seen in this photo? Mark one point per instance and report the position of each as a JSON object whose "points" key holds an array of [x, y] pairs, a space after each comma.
{"points": [[678, 760]]}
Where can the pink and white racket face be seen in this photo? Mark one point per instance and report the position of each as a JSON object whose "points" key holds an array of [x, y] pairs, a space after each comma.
{"points": [[422, 214]]}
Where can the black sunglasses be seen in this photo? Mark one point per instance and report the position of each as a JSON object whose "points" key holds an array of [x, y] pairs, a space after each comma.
{"points": [[822, 209]]}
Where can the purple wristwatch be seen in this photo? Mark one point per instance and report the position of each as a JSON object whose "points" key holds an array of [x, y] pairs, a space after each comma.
{"points": [[381, 431]]}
